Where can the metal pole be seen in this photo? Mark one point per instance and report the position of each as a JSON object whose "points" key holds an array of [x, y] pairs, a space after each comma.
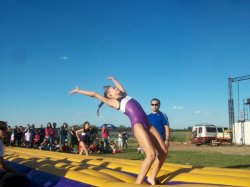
{"points": [[230, 103]]}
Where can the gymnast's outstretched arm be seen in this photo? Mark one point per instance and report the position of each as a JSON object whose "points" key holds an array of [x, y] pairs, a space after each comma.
{"points": [[116, 83], [107, 101]]}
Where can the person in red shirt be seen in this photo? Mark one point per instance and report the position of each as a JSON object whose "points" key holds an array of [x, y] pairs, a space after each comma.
{"points": [[105, 137], [49, 133], [36, 139]]}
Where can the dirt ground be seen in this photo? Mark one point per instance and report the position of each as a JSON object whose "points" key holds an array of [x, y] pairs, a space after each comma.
{"points": [[226, 149]]}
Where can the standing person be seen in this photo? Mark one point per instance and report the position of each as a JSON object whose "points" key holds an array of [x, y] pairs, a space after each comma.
{"points": [[36, 139], [159, 120], [73, 142], [27, 138], [49, 132], [64, 132], [105, 137], [56, 138], [83, 138], [146, 135], [8, 176], [125, 139], [32, 130], [41, 131], [19, 137], [26, 129], [12, 138], [15, 139], [120, 141], [8, 136]]}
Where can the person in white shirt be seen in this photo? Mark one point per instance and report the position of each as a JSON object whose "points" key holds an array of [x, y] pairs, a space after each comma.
{"points": [[120, 141], [27, 138]]}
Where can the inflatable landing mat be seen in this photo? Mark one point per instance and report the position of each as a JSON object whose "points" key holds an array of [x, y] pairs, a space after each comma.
{"points": [[49, 169]]}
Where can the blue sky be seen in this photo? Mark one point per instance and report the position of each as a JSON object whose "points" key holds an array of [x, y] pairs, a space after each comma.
{"points": [[181, 52]]}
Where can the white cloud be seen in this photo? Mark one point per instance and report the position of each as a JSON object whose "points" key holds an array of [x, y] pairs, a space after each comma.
{"points": [[177, 107], [203, 113], [64, 58], [207, 113], [197, 112], [79, 114]]}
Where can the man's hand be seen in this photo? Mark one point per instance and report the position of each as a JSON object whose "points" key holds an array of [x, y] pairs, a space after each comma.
{"points": [[166, 143]]}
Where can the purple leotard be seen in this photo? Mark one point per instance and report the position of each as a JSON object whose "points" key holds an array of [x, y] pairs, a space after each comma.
{"points": [[84, 136], [134, 111]]}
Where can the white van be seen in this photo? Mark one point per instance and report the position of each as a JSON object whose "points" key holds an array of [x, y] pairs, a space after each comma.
{"points": [[204, 134]]}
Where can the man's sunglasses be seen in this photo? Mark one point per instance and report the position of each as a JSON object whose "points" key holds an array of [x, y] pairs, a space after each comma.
{"points": [[154, 104]]}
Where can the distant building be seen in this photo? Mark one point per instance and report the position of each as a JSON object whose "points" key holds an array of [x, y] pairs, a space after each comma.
{"points": [[241, 131]]}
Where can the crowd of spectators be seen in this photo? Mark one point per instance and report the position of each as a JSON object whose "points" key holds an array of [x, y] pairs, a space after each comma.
{"points": [[63, 139]]}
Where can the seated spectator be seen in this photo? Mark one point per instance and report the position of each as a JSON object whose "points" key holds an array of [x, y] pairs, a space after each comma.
{"points": [[139, 149], [92, 148], [113, 147], [97, 144]]}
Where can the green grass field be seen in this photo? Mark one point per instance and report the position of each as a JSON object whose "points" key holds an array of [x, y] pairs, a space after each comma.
{"points": [[202, 159], [197, 159]]}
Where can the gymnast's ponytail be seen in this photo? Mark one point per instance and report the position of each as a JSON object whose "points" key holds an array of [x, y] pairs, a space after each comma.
{"points": [[105, 95], [99, 107]]}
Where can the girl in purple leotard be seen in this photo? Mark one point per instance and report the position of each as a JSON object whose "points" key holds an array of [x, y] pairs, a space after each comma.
{"points": [[146, 135]]}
